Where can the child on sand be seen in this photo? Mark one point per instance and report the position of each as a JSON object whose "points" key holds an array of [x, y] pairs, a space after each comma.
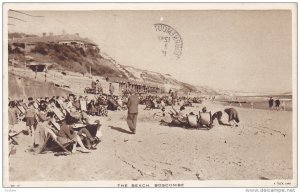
{"points": [[30, 116]]}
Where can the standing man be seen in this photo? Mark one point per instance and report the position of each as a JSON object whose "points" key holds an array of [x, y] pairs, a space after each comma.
{"points": [[271, 102], [98, 87], [132, 105], [174, 97], [93, 85], [111, 89]]}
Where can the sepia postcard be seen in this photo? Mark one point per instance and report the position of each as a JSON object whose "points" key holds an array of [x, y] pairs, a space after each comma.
{"points": [[150, 95]]}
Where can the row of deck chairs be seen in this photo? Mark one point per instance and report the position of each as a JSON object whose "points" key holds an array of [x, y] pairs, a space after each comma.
{"points": [[202, 120], [51, 142], [23, 107]]}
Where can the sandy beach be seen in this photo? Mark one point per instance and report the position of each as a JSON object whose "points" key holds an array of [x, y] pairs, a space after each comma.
{"points": [[259, 149]]}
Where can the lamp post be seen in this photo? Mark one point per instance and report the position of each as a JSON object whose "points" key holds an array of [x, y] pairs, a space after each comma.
{"points": [[24, 57], [46, 69], [36, 70], [90, 72]]}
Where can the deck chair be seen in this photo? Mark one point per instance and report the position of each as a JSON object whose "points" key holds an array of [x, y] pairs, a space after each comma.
{"points": [[83, 105], [24, 106], [78, 125], [52, 137], [36, 106], [55, 125], [37, 101], [58, 114], [193, 120], [11, 137], [67, 110], [21, 109], [205, 119], [22, 112], [177, 121]]}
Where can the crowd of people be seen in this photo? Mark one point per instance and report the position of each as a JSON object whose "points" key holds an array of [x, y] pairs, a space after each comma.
{"points": [[160, 101], [74, 119], [65, 117]]}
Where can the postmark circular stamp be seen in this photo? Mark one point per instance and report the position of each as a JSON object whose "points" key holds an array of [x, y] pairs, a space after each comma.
{"points": [[171, 40]]}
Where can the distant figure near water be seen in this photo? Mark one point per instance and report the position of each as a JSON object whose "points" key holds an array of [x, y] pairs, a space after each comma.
{"points": [[283, 105], [277, 104], [271, 102]]}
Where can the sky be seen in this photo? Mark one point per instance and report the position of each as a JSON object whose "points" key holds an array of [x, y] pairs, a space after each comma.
{"points": [[249, 51]]}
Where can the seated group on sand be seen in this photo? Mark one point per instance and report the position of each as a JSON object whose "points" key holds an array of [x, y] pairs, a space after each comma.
{"points": [[55, 124], [204, 119]]}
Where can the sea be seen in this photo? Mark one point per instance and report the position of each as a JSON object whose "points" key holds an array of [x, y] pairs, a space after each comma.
{"points": [[259, 102]]}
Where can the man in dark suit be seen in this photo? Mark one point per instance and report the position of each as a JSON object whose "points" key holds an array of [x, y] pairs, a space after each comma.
{"points": [[132, 105]]}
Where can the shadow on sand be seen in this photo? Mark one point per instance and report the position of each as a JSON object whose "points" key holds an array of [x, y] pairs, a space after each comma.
{"points": [[120, 129], [183, 126]]}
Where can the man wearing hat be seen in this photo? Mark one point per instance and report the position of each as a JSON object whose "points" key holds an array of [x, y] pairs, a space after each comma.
{"points": [[132, 105]]}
